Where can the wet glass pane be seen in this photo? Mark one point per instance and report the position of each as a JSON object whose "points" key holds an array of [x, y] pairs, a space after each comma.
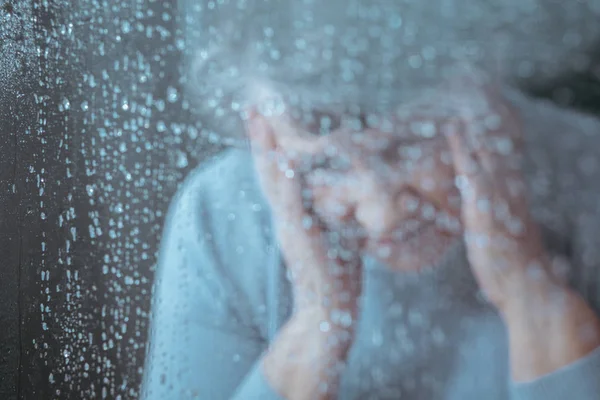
{"points": [[260, 199]]}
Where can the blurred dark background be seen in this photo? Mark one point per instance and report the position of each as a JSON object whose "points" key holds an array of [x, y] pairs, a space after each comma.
{"points": [[95, 135]]}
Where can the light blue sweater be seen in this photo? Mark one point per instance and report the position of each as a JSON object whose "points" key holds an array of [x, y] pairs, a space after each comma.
{"points": [[221, 292]]}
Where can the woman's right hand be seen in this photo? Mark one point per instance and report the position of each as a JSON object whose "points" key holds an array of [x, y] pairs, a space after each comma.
{"points": [[325, 269]]}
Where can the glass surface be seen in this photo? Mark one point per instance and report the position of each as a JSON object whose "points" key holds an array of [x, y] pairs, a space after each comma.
{"points": [[110, 108]]}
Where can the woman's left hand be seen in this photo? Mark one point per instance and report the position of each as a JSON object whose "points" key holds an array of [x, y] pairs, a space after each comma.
{"points": [[549, 325], [503, 241]]}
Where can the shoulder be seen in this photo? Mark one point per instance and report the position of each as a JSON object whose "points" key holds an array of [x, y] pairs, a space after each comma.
{"points": [[219, 195], [218, 236], [559, 128], [562, 148], [224, 177]]}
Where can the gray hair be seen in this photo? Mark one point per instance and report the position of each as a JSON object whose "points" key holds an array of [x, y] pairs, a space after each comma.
{"points": [[370, 54]]}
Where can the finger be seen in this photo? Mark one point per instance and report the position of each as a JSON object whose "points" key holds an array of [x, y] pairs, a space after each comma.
{"points": [[294, 140], [489, 206], [260, 134], [464, 159], [476, 190], [290, 199], [263, 147]]}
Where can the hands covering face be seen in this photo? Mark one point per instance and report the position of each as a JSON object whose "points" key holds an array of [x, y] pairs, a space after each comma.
{"points": [[468, 141]]}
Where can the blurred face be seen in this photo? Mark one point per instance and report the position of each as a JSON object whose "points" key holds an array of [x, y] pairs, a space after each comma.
{"points": [[393, 184]]}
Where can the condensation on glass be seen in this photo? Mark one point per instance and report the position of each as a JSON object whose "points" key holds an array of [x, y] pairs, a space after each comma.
{"points": [[119, 101]]}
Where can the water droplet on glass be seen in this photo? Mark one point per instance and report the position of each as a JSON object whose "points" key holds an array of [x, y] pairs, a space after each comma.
{"points": [[172, 95], [324, 326], [182, 160], [377, 338], [65, 105]]}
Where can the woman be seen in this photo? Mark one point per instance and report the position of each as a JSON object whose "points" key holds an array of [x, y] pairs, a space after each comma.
{"points": [[336, 259]]}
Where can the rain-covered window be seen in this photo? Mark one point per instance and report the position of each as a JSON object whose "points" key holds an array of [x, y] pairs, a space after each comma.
{"points": [[300, 199]]}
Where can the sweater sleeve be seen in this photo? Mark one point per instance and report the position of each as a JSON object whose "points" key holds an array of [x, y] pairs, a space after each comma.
{"points": [[204, 344], [255, 386], [578, 381]]}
